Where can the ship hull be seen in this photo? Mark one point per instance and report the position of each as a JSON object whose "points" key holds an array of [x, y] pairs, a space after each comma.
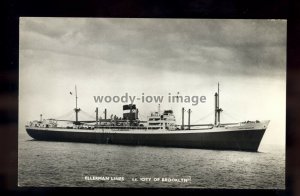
{"points": [[240, 140]]}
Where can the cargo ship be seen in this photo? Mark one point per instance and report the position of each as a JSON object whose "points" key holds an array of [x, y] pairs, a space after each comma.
{"points": [[160, 129]]}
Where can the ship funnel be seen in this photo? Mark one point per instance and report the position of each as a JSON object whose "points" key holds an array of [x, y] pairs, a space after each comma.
{"points": [[130, 113]]}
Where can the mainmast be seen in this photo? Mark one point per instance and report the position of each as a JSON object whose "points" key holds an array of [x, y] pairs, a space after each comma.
{"points": [[218, 110], [76, 109]]}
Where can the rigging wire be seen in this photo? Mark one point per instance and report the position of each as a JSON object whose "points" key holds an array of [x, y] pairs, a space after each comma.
{"points": [[65, 116], [231, 116], [202, 118], [87, 115]]}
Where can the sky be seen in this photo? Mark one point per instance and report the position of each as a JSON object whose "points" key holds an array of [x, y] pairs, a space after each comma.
{"points": [[114, 56]]}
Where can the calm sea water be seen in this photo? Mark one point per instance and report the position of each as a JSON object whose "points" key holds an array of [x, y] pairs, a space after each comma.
{"points": [[62, 164]]}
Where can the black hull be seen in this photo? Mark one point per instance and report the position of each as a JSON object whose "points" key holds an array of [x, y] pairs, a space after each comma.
{"points": [[240, 140]]}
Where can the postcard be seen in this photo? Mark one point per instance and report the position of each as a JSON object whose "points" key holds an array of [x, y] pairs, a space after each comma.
{"points": [[152, 103]]}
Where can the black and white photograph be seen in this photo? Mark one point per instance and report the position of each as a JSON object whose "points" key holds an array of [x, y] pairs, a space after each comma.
{"points": [[152, 103]]}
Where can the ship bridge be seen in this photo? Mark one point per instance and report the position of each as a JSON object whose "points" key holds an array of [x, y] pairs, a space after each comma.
{"points": [[166, 120]]}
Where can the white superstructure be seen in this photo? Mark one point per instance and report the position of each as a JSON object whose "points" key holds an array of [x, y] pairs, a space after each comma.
{"points": [[165, 121]]}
